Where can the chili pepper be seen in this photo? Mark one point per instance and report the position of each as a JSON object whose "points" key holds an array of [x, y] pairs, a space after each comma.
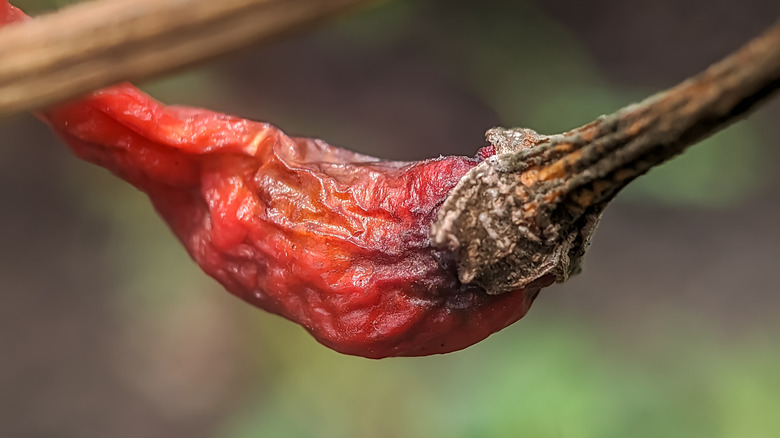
{"points": [[334, 240]]}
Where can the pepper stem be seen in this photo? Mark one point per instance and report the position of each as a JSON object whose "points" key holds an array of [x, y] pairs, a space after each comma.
{"points": [[530, 212]]}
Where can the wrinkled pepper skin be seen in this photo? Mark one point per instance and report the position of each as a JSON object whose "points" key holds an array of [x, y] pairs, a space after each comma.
{"points": [[331, 239]]}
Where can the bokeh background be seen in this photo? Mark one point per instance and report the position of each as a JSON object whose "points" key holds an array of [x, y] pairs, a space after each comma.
{"points": [[107, 329]]}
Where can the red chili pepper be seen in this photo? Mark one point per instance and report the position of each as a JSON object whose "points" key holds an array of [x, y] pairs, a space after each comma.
{"points": [[331, 239]]}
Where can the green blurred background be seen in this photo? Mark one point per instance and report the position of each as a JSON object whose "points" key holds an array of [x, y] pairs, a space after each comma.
{"points": [[107, 329]]}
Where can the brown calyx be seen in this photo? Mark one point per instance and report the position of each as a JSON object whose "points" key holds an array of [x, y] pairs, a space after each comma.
{"points": [[530, 211]]}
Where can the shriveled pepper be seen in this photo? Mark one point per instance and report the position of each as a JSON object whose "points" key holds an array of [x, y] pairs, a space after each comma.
{"points": [[334, 240]]}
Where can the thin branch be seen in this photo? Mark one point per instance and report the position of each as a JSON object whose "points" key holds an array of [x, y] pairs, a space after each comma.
{"points": [[544, 195], [95, 44]]}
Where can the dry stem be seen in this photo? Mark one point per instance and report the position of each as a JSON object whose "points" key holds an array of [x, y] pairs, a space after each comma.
{"points": [[530, 212], [95, 44]]}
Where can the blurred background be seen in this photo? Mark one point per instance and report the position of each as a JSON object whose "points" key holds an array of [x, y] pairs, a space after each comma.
{"points": [[108, 329]]}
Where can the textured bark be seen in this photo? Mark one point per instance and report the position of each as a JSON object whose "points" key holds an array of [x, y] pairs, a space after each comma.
{"points": [[531, 210]]}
